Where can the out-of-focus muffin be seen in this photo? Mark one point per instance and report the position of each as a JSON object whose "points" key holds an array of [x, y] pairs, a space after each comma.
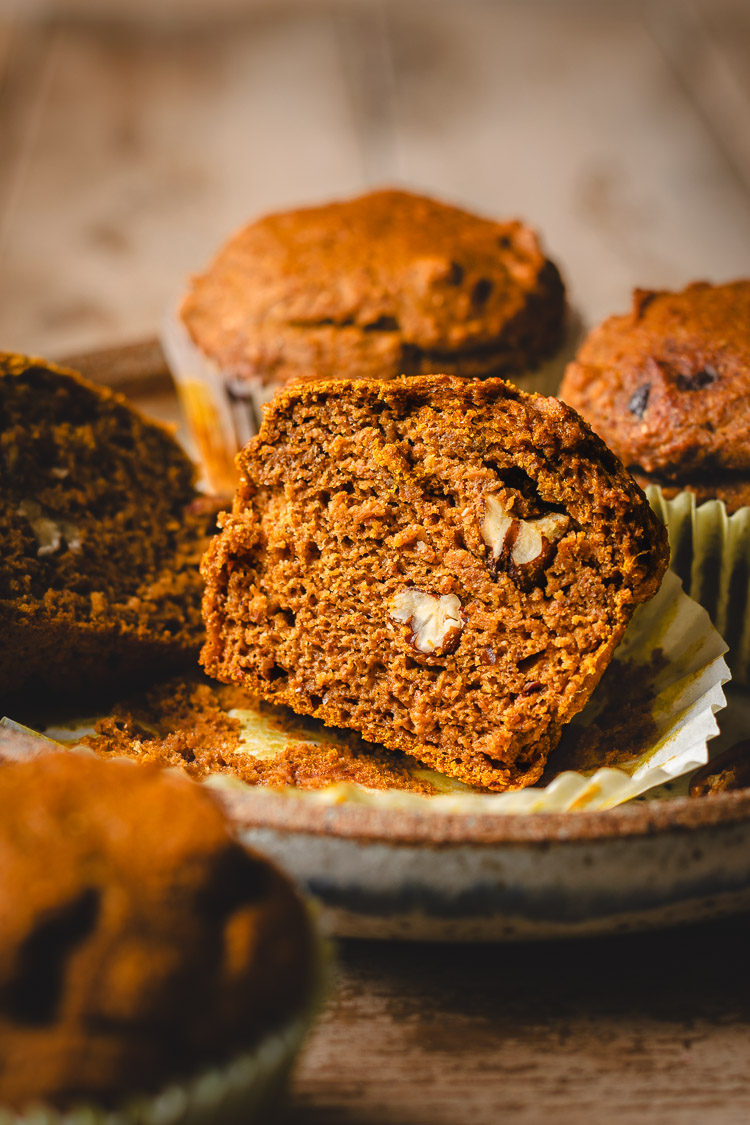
{"points": [[386, 284], [668, 388], [102, 534], [140, 943]]}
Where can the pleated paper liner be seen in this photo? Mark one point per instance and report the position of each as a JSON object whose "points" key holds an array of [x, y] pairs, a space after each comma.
{"points": [[711, 554]]}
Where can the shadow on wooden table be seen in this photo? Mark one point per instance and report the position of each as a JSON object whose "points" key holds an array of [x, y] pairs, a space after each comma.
{"points": [[645, 1027]]}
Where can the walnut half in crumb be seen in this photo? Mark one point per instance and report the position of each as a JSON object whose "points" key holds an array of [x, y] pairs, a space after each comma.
{"points": [[435, 622]]}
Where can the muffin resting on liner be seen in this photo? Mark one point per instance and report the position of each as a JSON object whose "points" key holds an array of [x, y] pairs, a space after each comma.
{"points": [[444, 565], [386, 284], [668, 388], [151, 967]]}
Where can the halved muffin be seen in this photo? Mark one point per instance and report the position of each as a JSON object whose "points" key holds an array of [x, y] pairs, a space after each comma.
{"points": [[102, 533], [444, 566]]}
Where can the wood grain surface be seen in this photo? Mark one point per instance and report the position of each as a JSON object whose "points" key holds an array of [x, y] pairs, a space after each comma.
{"points": [[132, 148], [639, 1030]]}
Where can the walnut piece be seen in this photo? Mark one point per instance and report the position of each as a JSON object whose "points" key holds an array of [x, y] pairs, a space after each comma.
{"points": [[525, 546], [435, 623], [49, 533]]}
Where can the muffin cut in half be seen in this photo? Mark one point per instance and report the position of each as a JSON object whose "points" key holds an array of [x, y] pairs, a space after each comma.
{"points": [[102, 533], [443, 566]]}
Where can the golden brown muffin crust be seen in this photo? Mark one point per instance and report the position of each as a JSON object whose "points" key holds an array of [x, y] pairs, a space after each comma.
{"points": [[356, 495], [384, 284], [138, 941], [668, 388]]}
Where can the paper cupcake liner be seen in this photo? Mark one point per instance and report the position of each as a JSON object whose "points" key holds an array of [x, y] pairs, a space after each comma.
{"points": [[244, 1091], [223, 412], [711, 554]]}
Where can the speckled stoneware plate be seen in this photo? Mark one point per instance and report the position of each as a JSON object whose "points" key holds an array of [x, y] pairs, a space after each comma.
{"points": [[386, 873]]}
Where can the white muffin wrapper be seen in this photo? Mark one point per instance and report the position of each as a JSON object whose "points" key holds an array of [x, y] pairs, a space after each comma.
{"points": [[222, 412], [711, 553], [242, 1092]]}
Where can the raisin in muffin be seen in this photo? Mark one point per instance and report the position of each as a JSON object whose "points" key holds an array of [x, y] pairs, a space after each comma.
{"points": [[443, 565], [386, 284], [668, 388], [140, 944], [102, 533]]}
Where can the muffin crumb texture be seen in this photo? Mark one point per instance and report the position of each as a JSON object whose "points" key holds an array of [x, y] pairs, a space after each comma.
{"points": [[444, 566], [197, 726], [139, 942]]}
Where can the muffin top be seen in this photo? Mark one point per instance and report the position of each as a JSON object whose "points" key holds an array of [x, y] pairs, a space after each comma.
{"points": [[668, 385], [389, 262], [139, 941]]}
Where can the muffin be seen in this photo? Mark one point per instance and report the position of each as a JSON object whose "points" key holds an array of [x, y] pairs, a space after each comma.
{"points": [[140, 945], [443, 565], [668, 388], [102, 533], [385, 284]]}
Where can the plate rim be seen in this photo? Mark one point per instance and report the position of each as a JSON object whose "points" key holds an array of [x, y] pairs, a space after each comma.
{"points": [[293, 813]]}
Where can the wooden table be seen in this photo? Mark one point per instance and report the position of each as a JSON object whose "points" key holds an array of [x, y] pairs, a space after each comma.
{"points": [[132, 146], [649, 1029]]}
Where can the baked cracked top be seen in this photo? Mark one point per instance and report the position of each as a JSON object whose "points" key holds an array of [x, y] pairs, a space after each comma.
{"points": [[376, 282], [668, 387], [443, 565], [139, 941]]}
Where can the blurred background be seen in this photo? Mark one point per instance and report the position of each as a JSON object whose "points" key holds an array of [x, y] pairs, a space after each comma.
{"points": [[137, 135]]}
